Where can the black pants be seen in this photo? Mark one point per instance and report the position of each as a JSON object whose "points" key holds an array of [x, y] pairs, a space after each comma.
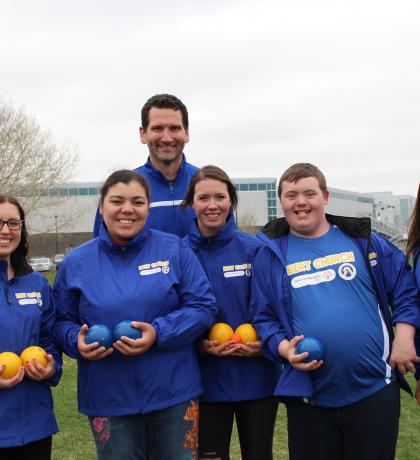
{"points": [[255, 421], [38, 450], [366, 430]]}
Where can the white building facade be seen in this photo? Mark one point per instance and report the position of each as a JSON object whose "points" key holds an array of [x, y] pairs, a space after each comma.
{"points": [[72, 208]]}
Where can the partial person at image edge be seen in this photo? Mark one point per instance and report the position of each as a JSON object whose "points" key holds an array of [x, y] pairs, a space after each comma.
{"points": [[413, 250], [27, 315]]}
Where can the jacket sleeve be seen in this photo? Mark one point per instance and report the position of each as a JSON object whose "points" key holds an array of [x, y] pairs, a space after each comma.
{"points": [[399, 283], [197, 306], [46, 339], [67, 325], [263, 305]]}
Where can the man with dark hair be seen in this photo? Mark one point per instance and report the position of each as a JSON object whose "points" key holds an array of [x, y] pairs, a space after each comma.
{"points": [[332, 278], [165, 130]]}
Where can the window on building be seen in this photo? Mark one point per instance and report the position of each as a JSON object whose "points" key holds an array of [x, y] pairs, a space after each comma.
{"points": [[253, 187], [73, 191], [93, 191], [64, 192], [83, 191], [262, 186], [243, 187]]}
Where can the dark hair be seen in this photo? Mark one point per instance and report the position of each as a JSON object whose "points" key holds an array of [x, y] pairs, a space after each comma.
{"points": [[301, 171], [413, 240], [163, 101], [18, 257], [210, 172], [125, 176]]}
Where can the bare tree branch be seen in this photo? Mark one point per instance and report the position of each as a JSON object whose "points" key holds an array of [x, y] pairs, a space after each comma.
{"points": [[31, 162]]}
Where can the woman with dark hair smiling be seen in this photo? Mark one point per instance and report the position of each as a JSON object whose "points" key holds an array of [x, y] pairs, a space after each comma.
{"points": [[27, 420], [140, 393], [239, 382]]}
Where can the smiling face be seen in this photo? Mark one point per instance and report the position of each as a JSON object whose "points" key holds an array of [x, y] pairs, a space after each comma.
{"points": [[9, 239], [303, 206], [124, 210], [165, 136], [211, 205]]}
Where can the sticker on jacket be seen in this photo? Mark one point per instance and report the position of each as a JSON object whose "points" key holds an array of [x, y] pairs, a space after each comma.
{"points": [[373, 259], [29, 298], [154, 267], [230, 271]]}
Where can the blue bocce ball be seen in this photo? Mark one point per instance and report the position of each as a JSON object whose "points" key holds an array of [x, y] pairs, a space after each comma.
{"points": [[313, 346], [125, 328], [99, 333]]}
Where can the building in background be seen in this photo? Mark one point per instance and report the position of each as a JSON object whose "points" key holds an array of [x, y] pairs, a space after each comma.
{"points": [[66, 214]]}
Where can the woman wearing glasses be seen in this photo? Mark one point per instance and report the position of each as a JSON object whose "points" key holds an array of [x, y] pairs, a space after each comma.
{"points": [[27, 420]]}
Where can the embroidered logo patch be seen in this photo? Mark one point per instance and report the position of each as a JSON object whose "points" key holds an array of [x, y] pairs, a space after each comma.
{"points": [[154, 267], [230, 271], [29, 298]]}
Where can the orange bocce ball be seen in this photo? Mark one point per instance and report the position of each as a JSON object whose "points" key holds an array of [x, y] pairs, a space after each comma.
{"points": [[220, 333], [12, 363], [247, 333], [28, 354], [236, 338]]}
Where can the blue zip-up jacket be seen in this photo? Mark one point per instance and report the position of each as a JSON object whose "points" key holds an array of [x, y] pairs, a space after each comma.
{"points": [[26, 318], [227, 259], [165, 213], [392, 279], [156, 279], [416, 270]]}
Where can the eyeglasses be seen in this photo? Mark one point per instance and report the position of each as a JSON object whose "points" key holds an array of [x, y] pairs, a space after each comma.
{"points": [[13, 224]]}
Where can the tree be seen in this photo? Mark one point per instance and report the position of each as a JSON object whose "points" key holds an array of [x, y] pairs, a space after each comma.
{"points": [[32, 163]]}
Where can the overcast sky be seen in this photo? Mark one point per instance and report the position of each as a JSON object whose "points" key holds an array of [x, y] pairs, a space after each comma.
{"points": [[267, 83]]}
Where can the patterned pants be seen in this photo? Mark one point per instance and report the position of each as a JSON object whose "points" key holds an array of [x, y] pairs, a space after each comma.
{"points": [[167, 434]]}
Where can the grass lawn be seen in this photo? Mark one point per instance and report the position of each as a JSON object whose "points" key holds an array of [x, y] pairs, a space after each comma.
{"points": [[74, 441]]}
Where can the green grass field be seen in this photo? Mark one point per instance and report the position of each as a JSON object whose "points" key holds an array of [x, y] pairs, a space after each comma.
{"points": [[74, 441]]}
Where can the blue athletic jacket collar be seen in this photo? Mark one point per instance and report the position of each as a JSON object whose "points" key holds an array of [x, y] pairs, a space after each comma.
{"points": [[357, 227], [130, 246], [156, 173], [3, 270], [223, 237]]}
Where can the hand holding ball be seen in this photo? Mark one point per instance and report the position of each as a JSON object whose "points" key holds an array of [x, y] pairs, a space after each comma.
{"points": [[101, 334], [313, 346], [34, 352], [247, 333], [125, 328], [220, 333], [12, 364]]}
